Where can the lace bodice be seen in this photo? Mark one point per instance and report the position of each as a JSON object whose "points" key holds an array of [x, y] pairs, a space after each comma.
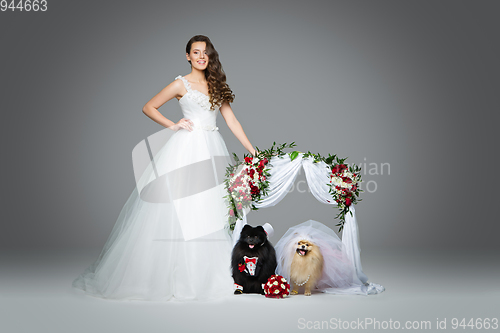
{"points": [[196, 105]]}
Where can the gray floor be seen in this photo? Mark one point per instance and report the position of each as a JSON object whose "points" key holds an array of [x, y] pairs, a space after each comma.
{"points": [[36, 296]]}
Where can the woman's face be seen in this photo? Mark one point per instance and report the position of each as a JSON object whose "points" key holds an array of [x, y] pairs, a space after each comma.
{"points": [[198, 56]]}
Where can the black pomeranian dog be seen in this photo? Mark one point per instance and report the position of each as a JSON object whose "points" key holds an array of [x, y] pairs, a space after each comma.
{"points": [[253, 260]]}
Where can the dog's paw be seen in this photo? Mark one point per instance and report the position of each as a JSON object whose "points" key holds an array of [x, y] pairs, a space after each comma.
{"points": [[307, 293], [238, 292], [294, 292]]}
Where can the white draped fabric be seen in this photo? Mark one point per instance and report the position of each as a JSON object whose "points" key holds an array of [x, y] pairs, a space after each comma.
{"points": [[283, 173]]}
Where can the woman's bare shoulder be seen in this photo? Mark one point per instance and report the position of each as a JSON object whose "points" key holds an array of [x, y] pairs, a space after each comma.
{"points": [[177, 86]]}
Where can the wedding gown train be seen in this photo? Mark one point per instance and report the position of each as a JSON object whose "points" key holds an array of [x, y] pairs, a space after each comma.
{"points": [[170, 241]]}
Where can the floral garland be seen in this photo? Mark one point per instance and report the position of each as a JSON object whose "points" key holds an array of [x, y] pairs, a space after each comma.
{"points": [[247, 181], [277, 287], [344, 185]]}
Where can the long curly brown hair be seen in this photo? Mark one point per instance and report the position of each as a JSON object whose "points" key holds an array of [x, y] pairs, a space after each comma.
{"points": [[218, 89]]}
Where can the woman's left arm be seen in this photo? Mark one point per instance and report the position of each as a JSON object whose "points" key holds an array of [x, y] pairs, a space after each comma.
{"points": [[235, 127]]}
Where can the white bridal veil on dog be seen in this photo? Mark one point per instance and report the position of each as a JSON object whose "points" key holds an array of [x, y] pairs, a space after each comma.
{"points": [[339, 274]]}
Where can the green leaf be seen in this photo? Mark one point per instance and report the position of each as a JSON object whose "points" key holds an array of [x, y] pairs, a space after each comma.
{"points": [[329, 159], [293, 155]]}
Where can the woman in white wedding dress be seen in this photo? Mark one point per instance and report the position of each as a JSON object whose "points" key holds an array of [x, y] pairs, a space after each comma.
{"points": [[171, 241]]}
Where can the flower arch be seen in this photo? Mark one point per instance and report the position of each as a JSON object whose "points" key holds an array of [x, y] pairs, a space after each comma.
{"points": [[280, 175]]}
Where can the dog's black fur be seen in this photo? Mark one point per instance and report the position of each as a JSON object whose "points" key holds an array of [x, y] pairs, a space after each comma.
{"points": [[266, 262]]}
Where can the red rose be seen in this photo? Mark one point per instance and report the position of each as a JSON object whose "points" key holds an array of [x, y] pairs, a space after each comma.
{"points": [[248, 160], [347, 180], [348, 202], [255, 190], [241, 267], [336, 169], [231, 212], [239, 206]]}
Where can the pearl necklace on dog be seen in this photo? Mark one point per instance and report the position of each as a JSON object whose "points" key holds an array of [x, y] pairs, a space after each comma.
{"points": [[303, 283]]}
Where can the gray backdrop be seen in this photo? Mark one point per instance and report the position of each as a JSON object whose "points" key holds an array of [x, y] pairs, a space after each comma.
{"points": [[408, 84]]}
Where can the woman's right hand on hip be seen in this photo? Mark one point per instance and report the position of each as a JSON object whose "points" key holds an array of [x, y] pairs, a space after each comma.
{"points": [[183, 123]]}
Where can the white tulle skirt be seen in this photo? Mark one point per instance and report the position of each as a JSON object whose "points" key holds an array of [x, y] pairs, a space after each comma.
{"points": [[169, 241]]}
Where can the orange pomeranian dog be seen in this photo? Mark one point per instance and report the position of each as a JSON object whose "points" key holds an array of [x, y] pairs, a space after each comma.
{"points": [[307, 267]]}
